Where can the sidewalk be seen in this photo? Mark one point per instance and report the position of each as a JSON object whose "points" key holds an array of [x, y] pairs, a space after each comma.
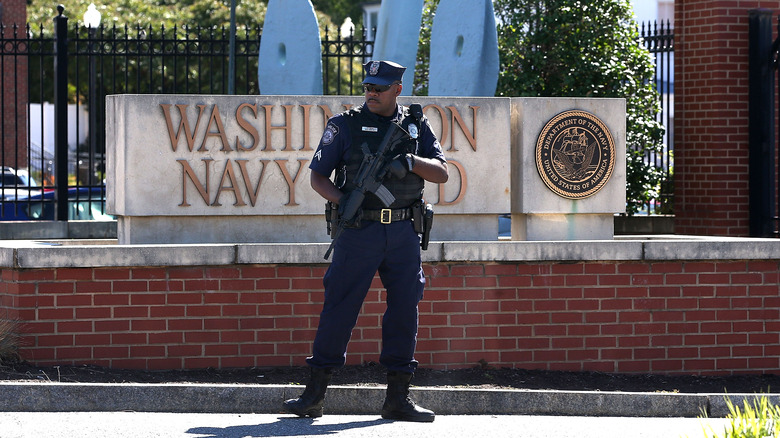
{"points": [[187, 425], [352, 400]]}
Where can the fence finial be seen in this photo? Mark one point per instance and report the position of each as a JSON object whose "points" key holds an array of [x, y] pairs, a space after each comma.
{"points": [[61, 9]]}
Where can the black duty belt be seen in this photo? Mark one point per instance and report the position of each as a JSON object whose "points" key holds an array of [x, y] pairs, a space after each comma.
{"points": [[387, 215]]}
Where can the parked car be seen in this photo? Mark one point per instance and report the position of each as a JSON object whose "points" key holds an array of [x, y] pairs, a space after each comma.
{"points": [[13, 177], [84, 203], [17, 183]]}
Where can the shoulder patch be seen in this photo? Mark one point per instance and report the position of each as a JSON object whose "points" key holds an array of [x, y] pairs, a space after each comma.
{"points": [[331, 131]]}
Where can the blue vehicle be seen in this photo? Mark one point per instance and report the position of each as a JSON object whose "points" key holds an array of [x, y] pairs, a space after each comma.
{"points": [[84, 203], [17, 184]]}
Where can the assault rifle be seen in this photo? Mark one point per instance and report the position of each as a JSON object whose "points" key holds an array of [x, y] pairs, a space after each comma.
{"points": [[369, 179]]}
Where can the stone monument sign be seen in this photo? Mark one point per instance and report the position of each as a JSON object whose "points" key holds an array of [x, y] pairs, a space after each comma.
{"points": [[224, 169]]}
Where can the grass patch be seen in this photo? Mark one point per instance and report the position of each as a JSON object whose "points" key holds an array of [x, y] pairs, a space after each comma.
{"points": [[759, 419]]}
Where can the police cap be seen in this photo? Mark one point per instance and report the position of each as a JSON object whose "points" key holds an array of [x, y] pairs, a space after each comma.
{"points": [[383, 72]]}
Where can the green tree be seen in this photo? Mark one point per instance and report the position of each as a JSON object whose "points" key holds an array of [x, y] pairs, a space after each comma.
{"points": [[203, 13], [585, 48], [424, 49], [160, 67], [338, 10]]}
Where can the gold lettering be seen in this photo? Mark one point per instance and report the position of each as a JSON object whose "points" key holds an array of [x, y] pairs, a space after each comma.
{"points": [[461, 189], [188, 172], [220, 131], [326, 113], [470, 137], [445, 128], [287, 127], [248, 137], [291, 180], [248, 183], [247, 127], [189, 134], [233, 187], [306, 112]]}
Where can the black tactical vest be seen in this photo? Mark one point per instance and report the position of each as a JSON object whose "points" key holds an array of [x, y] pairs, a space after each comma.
{"points": [[366, 127]]}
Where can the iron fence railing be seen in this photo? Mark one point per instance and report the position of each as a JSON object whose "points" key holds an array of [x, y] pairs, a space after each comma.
{"points": [[77, 68], [658, 39]]}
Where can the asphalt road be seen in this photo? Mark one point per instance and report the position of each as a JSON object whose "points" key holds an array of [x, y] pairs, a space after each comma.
{"points": [[169, 425]]}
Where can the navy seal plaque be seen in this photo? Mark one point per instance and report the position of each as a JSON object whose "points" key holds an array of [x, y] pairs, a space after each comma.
{"points": [[575, 154]]}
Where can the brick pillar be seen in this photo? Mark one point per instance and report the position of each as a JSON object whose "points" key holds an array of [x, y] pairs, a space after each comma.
{"points": [[711, 115], [13, 80]]}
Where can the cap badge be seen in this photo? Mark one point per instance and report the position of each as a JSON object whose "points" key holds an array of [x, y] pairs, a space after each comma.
{"points": [[374, 68]]}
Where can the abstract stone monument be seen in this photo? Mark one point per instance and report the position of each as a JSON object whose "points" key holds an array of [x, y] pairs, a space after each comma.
{"points": [[464, 49], [290, 58], [398, 33]]}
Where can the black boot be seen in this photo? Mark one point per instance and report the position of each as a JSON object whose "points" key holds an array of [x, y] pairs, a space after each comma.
{"points": [[398, 405], [309, 404]]}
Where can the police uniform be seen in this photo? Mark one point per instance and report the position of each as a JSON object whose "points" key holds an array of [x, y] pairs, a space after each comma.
{"points": [[387, 245], [383, 240]]}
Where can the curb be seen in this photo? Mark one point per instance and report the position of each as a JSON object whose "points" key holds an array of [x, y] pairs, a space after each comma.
{"points": [[354, 400]]}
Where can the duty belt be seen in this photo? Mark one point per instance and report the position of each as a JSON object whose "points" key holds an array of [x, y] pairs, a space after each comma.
{"points": [[387, 215]]}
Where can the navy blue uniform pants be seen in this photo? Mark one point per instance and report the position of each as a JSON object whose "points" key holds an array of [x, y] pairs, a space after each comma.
{"points": [[393, 250]]}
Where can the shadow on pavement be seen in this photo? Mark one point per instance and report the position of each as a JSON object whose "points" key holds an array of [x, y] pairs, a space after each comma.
{"points": [[284, 426]]}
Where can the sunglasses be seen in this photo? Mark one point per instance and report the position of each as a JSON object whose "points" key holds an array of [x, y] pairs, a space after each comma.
{"points": [[371, 88]]}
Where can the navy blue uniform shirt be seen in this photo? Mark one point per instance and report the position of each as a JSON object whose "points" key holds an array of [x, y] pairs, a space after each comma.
{"points": [[336, 141]]}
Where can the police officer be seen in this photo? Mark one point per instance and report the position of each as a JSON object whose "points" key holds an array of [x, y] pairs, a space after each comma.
{"points": [[382, 240]]}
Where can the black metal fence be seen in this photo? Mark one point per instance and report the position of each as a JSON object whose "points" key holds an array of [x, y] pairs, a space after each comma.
{"points": [[658, 38], [764, 177], [77, 67]]}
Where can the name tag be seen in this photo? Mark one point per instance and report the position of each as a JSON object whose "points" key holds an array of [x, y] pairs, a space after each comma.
{"points": [[370, 129]]}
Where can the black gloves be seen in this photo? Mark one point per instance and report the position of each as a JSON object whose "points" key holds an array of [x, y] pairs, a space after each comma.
{"points": [[401, 165]]}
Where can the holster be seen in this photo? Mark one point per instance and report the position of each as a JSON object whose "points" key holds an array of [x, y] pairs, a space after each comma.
{"points": [[422, 218], [333, 220], [331, 217]]}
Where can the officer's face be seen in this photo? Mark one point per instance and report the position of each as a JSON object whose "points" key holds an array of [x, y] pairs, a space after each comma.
{"points": [[382, 101]]}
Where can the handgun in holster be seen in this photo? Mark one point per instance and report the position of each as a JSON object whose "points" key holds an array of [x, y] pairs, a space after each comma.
{"points": [[331, 217], [422, 218]]}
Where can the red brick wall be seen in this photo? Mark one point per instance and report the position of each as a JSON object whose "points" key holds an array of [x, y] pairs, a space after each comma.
{"points": [[14, 12], [628, 317], [711, 115], [13, 74]]}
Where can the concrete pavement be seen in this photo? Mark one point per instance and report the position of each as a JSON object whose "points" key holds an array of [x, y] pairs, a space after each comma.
{"points": [[167, 425], [352, 400]]}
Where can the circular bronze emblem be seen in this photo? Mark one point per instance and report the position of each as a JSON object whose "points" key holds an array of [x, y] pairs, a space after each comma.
{"points": [[575, 154]]}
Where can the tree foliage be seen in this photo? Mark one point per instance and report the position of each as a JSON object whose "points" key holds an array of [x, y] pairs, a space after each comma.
{"points": [[168, 13], [585, 48], [338, 10], [424, 49]]}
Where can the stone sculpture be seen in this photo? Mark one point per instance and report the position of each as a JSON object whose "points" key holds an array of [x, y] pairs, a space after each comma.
{"points": [[290, 58], [464, 49], [398, 33]]}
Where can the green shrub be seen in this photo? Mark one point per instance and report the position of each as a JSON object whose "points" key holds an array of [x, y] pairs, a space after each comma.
{"points": [[757, 420], [579, 48]]}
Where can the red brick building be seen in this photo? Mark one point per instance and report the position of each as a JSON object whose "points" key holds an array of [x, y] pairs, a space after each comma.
{"points": [[711, 115], [13, 11], [13, 130]]}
